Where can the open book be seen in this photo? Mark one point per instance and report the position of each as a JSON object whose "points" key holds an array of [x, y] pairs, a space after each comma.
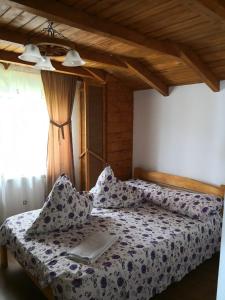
{"points": [[92, 247]]}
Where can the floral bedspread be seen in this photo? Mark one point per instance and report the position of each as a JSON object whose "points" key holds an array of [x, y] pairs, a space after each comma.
{"points": [[155, 248]]}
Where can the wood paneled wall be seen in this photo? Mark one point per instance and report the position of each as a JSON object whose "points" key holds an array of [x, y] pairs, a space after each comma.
{"points": [[92, 116], [119, 127]]}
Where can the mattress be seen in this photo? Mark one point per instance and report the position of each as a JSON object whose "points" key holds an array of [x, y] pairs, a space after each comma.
{"points": [[155, 248]]}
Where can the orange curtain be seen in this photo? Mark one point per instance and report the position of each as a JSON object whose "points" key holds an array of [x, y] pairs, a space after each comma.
{"points": [[59, 93]]}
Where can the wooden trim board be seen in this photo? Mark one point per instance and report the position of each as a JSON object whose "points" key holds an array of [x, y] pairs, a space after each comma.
{"points": [[179, 182], [4, 257], [47, 291]]}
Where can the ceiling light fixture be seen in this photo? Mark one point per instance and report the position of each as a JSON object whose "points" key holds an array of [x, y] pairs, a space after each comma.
{"points": [[42, 52]]}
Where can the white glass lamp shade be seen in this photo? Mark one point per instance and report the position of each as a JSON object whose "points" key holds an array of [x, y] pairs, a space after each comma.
{"points": [[73, 59], [44, 64], [31, 53]]}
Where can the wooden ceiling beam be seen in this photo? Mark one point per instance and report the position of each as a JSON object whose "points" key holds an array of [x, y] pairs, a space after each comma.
{"points": [[151, 79], [99, 75], [87, 54], [59, 12], [195, 62], [5, 65], [11, 57]]}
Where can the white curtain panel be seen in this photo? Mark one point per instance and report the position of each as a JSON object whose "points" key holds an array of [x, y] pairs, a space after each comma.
{"points": [[23, 141], [76, 135], [20, 194]]}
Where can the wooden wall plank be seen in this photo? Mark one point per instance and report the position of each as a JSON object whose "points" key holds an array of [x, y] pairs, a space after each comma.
{"points": [[119, 130]]}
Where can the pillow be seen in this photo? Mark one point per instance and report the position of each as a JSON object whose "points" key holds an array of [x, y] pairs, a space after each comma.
{"points": [[194, 205], [150, 191], [106, 177], [64, 208], [109, 192]]}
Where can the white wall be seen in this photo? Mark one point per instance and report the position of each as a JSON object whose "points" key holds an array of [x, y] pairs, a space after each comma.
{"points": [[182, 134]]}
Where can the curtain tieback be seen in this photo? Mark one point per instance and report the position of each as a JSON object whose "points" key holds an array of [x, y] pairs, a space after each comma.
{"points": [[61, 126]]}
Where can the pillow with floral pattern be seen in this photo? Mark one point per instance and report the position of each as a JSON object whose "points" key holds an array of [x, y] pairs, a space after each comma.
{"points": [[151, 191], [65, 207], [194, 205], [107, 176], [109, 192]]}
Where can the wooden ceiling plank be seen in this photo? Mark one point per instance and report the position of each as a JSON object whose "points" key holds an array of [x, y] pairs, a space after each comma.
{"points": [[100, 6], [194, 61], [148, 14], [213, 9], [164, 23], [61, 13], [21, 20], [121, 10], [151, 79], [9, 15], [33, 24], [179, 28], [86, 54], [4, 8], [82, 4]]}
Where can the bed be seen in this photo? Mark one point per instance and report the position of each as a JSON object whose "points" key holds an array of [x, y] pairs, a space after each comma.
{"points": [[156, 247]]}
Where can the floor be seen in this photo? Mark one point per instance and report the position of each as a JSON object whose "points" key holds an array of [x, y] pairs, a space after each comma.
{"points": [[200, 284]]}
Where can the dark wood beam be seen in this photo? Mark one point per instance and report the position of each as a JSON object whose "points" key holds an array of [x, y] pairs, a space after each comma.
{"points": [[5, 65], [99, 75], [59, 12], [194, 61], [151, 79], [87, 54], [11, 57]]}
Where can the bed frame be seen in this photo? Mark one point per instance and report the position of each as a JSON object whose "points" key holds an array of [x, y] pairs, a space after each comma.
{"points": [[152, 176], [47, 292], [179, 182]]}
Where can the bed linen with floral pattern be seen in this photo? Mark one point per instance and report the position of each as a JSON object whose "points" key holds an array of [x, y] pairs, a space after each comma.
{"points": [[155, 248]]}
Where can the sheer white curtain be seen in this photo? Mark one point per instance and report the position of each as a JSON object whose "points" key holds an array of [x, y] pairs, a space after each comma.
{"points": [[23, 140], [76, 134]]}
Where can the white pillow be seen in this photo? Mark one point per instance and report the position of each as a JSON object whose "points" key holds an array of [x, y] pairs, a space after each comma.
{"points": [[64, 208]]}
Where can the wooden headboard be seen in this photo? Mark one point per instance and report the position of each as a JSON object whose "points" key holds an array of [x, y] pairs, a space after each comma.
{"points": [[179, 182]]}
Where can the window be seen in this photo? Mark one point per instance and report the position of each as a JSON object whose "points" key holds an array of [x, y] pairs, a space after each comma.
{"points": [[23, 124], [23, 141]]}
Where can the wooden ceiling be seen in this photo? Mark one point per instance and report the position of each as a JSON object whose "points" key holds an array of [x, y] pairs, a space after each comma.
{"points": [[145, 43]]}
